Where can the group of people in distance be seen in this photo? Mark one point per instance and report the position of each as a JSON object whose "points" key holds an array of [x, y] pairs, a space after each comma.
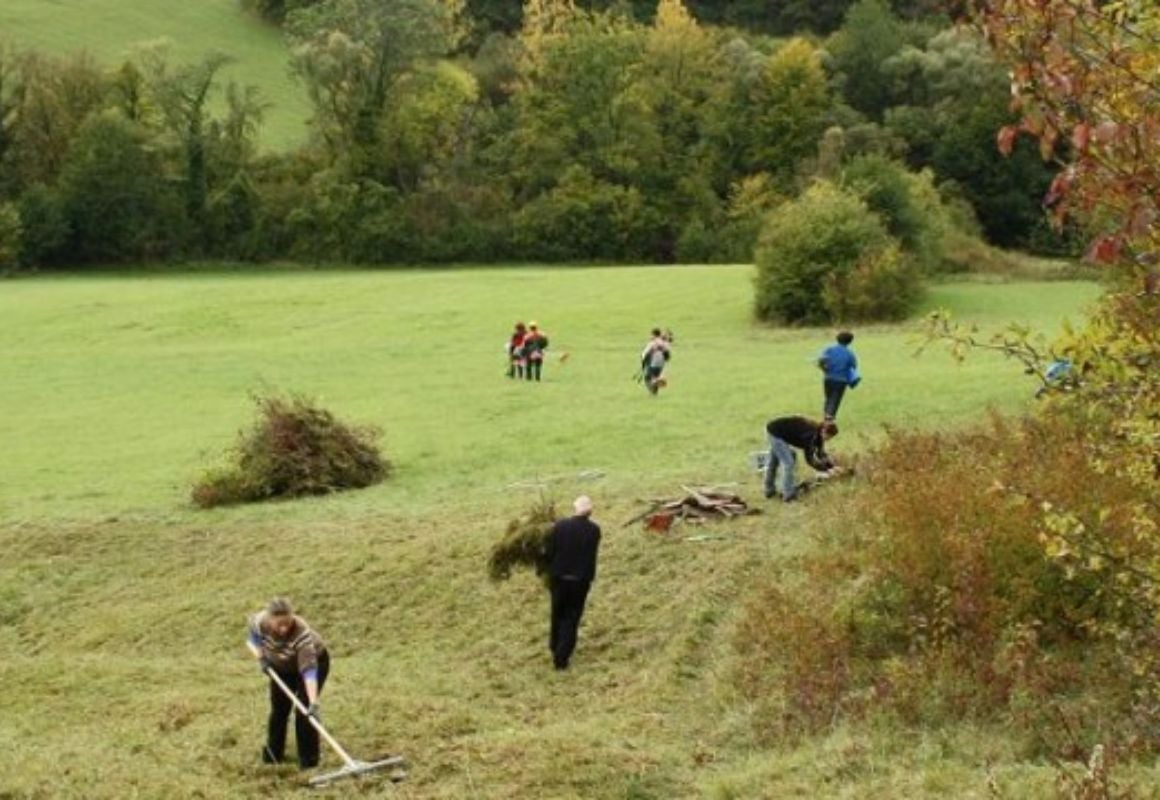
{"points": [[525, 352], [839, 367]]}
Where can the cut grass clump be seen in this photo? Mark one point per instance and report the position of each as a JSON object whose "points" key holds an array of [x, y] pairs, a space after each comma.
{"points": [[525, 544], [294, 449]]}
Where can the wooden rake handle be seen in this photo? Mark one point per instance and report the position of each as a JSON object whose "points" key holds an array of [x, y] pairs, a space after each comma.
{"points": [[345, 756]]}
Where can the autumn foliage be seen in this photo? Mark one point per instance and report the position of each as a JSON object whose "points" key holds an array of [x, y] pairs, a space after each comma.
{"points": [[1086, 79]]}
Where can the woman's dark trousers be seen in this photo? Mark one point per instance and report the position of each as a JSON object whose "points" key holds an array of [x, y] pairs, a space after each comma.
{"points": [[280, 708]]}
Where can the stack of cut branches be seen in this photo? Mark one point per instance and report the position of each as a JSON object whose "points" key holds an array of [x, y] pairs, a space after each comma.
{"points": [[697, 505]]}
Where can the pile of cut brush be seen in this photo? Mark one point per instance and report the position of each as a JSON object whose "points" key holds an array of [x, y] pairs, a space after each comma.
{"points": [[524, 544], [695, 506]]}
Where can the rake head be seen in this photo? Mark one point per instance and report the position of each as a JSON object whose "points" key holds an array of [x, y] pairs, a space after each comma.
{"points": [[355, 769]]}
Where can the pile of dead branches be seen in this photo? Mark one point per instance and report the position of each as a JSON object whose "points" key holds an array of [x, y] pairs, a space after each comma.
{"points": [[696, 506]]}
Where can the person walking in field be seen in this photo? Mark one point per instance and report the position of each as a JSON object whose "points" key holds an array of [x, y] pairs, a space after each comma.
{"points": [[573, 545], [515, 351], [283, 642], [787, 433], [840, 368], [535, 343], [653, 359]]}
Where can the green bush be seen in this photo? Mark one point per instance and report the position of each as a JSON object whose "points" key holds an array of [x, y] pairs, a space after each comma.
{"points": [[295, 448], [944, 604], [884, 285], [818, 240], [46, 227], [11, 233], [120, 204], [912, 216], [584, 218]]}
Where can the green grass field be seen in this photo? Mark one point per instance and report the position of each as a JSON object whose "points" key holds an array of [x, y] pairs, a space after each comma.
{"points": [[122, 608], [109, 30], [139, 383]]}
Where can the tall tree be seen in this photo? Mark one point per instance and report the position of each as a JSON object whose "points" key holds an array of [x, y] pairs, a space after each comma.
{"points": [[349, 53], [675, 80], [870, 35], [790, 99], [182, 94], [573, 104]]}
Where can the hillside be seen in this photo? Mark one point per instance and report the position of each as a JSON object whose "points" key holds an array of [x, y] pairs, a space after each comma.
{"points": [[123, 608], [109, 29]]}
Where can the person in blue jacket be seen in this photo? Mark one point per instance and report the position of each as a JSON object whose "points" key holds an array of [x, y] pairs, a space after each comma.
{"points": [[840, 367]]}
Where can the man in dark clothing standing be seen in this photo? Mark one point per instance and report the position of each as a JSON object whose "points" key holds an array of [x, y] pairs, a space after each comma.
{"points": [[572, 547], [786, 433]]}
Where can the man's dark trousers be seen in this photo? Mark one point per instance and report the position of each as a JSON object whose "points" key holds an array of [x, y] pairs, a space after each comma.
{"points": [[280, 708], [568, 598], [833, 391]]}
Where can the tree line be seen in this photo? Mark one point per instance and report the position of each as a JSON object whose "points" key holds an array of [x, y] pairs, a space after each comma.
{"points": [[445, 130]]}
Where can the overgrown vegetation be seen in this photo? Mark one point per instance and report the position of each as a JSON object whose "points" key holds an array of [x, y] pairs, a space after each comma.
{"points": [[942, 606], [524, 544], [294, 448]]}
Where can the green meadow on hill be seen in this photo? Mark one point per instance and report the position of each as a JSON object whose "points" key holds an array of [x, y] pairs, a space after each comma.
{"points": [[122, 607], [108, 30]]}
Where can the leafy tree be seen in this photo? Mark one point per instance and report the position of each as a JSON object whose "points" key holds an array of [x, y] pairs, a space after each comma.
{"points": [[45, 227], [182, 95], [427, 126], [1082, 77], [674, 82], [11, 237], [53, 98], [573, 105], [275, 10], [870, 35], [887, 189], [349, 53], [790, 100], [118, 202], [952, 96]]}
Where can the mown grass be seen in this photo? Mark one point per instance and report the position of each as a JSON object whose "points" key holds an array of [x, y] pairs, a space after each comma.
{"points": [[110, 29], [121, 608]]}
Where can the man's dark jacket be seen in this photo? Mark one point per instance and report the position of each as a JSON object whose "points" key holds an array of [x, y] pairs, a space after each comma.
{"points": [[804, 434], [572, 547]]}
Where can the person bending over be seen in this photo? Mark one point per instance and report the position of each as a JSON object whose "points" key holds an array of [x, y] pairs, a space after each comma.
{"points": [[787, 433], [284, 643]]}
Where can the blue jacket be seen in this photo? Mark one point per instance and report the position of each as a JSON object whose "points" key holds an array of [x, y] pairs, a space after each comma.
{"points": [[839, 363]]}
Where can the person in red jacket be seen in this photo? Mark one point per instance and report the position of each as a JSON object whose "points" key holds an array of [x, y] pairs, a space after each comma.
{"points": [[515, 351], [535, 343]]}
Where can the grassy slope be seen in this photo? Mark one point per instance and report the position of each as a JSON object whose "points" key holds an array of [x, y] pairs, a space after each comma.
{"points": [[164, 366], [119, 628], [109, 29]]}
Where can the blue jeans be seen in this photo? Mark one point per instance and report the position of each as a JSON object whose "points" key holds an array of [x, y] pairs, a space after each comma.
{"points": [[782, 456]]}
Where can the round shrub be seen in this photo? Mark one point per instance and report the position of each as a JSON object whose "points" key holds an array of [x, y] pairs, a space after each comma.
{"points": [[883, 285], [294, 448], [815, 242]]}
